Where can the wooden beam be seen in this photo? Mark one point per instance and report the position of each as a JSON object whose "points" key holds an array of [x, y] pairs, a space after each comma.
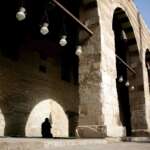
{"points": [[73, 17], [124, 63]]}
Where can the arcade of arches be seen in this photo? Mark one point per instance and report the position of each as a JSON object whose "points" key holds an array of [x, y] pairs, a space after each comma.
{"points": [[101, 93]]}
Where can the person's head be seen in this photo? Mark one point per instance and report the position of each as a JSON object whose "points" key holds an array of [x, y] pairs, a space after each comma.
{"points": [[46, 120]]}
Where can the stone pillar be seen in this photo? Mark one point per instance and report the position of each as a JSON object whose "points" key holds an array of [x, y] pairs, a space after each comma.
{"points": [[139, 119], [138, 104], [90, 109], [109, 98], [73, 120]]}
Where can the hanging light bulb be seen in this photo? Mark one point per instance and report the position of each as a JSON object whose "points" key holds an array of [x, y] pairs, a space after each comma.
{"points": [[127, 84], [132, 88], [20, 15], [44, 29], [78, 50], [120, 79], [124, 36], [63, 40], [148, 65]]}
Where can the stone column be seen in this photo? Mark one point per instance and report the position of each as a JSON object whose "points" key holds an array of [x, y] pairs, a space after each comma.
{"points": [[109, 98], [138, 103], [73, 120], [90, 109]]}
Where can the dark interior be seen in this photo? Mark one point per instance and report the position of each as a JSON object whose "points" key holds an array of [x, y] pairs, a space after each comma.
{"points": [[18, 35], [123, 94], [147, 61]]}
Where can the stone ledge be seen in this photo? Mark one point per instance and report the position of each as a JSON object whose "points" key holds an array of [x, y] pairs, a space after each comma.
{"points": [[47, 144], [91, 131], [141, 133], [137, 139]]}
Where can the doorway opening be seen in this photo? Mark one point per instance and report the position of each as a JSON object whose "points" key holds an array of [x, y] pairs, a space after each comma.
{"points": [[147, 62], [129, 80], [57, 117]]}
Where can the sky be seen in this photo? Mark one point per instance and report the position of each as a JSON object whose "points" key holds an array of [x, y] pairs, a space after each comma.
{"points": [[144, 8]]}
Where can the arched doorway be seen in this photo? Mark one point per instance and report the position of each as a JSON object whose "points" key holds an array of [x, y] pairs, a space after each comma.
{"points": [[129, 75], [47, 109]]}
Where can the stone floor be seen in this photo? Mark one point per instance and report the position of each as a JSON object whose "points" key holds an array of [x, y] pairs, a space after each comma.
{"points": [[71, 144]]}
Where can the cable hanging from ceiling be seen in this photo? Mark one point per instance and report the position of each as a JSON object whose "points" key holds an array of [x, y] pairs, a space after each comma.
{"points": [[63, 38], [121, 77]]}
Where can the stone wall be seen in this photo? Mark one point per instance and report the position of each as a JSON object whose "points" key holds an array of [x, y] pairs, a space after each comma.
{"points": [[98, 72], [91, 123], [23, 87]]}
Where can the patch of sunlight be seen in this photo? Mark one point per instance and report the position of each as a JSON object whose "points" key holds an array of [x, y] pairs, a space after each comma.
{"points": [[2, 123], [47, 109]]}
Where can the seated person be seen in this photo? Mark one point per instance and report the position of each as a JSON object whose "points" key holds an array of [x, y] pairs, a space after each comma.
{"points": [[46, 129]]}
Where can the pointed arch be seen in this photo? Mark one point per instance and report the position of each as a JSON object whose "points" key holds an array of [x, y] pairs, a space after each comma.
{"points": [[47, 109], [131, 95]]}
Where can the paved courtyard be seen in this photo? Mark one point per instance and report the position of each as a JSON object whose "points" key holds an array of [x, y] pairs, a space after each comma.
{"points": [[71, 144], [114, 146]]}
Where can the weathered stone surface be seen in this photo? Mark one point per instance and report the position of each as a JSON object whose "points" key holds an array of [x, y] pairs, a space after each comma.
{"points": [[95, 100], [94, 131], [28, 96], [102, 89]]}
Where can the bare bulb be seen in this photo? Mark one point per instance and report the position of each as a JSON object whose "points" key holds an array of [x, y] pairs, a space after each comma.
{"points": [[78, 51], [124, 35], [120, 79], [63, 40], [44, 29], [127, 84], [20, 15], [132, 88]]}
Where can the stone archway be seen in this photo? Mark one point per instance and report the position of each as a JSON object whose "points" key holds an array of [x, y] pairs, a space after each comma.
{"points": [[47, 109], [130, 88]]}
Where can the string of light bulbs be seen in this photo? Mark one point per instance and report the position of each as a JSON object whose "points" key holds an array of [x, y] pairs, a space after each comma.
{"points": [[127, 83], [44, 30]]}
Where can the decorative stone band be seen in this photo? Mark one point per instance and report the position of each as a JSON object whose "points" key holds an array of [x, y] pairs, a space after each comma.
{"points": [[91, 131]]}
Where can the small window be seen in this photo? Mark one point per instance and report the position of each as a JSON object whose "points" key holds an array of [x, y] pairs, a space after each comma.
{"points": [[42, 69]]}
